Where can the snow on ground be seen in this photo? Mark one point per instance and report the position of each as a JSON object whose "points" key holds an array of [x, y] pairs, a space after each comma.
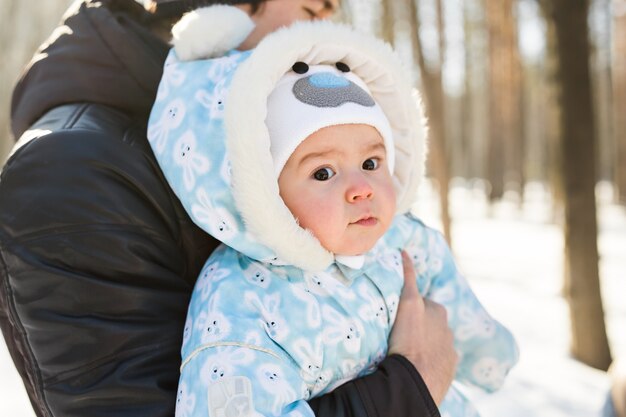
{"points": [[512, 254]]}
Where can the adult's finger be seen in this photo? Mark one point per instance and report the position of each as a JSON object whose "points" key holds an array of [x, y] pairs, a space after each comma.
{"points": [[410, 289], [421, 334]]}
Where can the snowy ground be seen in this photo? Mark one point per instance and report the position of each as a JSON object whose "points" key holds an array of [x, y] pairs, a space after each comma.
{"points": [[513, 256]]}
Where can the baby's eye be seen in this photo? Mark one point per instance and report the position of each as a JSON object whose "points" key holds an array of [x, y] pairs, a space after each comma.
{"points": [[370, 164], [311, 13], [323, 174]]}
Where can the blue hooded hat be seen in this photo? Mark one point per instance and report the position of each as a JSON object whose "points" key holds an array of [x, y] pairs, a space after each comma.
{"points": [[208, 130]]}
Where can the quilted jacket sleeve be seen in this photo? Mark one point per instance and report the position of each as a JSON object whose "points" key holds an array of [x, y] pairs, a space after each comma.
{"points": [[395, 389], [97, 263], [96, 268]]}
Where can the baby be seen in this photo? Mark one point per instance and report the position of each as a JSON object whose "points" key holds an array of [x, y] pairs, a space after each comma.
{"points": [[305, 170]]}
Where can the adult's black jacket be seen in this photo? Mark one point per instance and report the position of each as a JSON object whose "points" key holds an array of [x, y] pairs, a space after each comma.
{"points": [[97, 256]]}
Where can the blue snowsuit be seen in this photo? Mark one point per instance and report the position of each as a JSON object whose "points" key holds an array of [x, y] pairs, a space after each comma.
{"points": [[263, 333]]}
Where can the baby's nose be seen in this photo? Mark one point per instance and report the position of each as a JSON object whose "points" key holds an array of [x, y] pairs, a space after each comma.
{"points": [[359, 189]]}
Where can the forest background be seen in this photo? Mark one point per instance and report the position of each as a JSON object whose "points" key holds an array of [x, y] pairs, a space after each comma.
{"points": [[521, 95]]}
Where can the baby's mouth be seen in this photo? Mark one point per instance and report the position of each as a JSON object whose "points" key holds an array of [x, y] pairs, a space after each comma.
{"points": [[367, 221]]}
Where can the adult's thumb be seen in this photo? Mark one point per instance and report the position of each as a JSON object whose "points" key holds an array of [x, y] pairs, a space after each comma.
{"points": [[410, 290]]}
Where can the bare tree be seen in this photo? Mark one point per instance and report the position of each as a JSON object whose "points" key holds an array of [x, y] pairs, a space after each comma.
{"points": [[600, 66], [505, 97], [553, 124], [475, 106], [619, 95], [589, 341], [432, 84], [402, 15]]}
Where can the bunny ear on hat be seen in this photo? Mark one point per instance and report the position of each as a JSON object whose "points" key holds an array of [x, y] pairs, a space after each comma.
{"points": [[209, 32]]}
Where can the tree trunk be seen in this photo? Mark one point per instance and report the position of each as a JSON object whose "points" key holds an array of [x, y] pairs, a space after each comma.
{"points": [[434, 96], [582, 284], [404, 13], [505, 130], [619, 95], [553, 124], [495, 148], [437, 97], [476, 102], [602, 89]]}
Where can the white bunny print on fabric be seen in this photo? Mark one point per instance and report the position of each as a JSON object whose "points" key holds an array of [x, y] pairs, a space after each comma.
{"points": [[185, 401], [312, 332], [374, 308], [217, 220], [342, 330], [316, 285], [262, 336], [269, 308], [212, 323], [474, 324], [490, 372], [189, 322], [224, 361], [392, 302], [186, 133], [210, 275], [173, 77], [392, 261], [171, 118], [309, 354], [222, 66], [309, 304], [187, 157], [214, 100], [325, 284], [272, 379], [257, 274]]}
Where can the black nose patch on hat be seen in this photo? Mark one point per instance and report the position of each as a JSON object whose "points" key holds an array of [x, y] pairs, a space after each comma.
{"points": [[326, 89]]}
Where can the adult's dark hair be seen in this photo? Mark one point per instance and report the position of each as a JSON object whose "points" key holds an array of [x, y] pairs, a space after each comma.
{"points": [[175, 8]]}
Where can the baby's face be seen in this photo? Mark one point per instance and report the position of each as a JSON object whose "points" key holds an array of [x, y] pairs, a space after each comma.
{"points": [[337, 185]]}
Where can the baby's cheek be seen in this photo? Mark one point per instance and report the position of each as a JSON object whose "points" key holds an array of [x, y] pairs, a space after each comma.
{"points": [[391, 196], [325, 221], [388, 203]]}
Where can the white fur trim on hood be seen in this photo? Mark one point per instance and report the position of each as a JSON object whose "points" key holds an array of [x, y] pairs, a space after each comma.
{"points": [[254, 184], [210, 31], [207, 130]]}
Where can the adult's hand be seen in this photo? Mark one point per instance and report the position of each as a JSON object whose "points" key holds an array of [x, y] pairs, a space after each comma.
{"points": [[421, 334]]}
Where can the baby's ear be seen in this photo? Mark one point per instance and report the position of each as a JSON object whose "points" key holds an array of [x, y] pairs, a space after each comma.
{"points": [[209, 32]]}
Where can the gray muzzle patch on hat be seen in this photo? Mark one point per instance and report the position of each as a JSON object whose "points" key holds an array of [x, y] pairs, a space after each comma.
{"points": [[329, 90]]}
